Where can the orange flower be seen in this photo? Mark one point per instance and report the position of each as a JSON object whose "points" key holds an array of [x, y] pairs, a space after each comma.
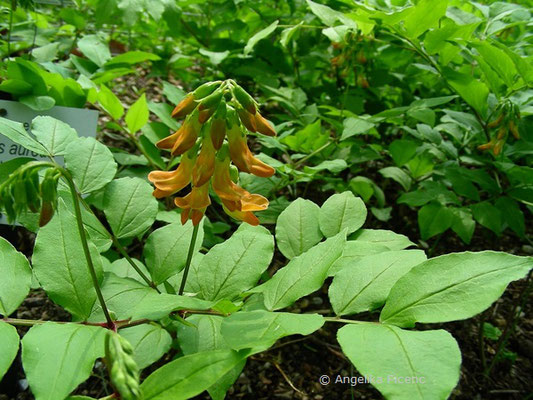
{"points": [[184, 107], [194, 204], [233, 196], [205, 163], [243, 158], [169, 182], [183, 139], [247, 120], [247, 217], [263, 126]]}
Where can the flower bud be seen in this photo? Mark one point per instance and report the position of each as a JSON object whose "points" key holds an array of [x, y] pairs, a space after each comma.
{"points": [[184, 107], [244, 99], [205, 90]]}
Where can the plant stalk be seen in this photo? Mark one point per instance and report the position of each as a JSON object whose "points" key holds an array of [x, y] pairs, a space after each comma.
{"points": [[189, 259], [86, 251]]}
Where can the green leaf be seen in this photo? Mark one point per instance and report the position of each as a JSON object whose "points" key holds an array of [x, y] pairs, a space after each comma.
{"points": [[166, 249], [16, 132], [302, 275], [156, 306], [513, 216], [129, 206], [307, 139], [149, 342], [110, 103], [355, 126], [121, 296], [262, 34], [452, 287], [61, 268], [16, 278], [261, 329], [173, 93], [163, 112], [91, 164], [364, 285], [97, 233], [402, 151], [390, 239], [398, 175], [214, 56], [38, 103], [137, 115], [404, 365], [434, 218], [205, 335], [53, 134], [234, 266], [94, 49], [16, 87], [132, 57], [58, 357], [10, 346], [499, 61], [426, 14], [463, 224], [488, 216], [326, 14], [472, 91], [341, 212], [297, 228], [190, 375], [122, 268]]}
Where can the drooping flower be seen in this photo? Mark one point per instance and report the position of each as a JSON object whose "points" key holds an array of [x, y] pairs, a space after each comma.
{"points": [[169, 182], [211, 116], [205, 163], [194, 204], [243, 158]]}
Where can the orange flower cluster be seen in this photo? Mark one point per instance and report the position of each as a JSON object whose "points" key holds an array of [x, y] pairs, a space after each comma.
{"points": [[505, 124], [214, 111]]}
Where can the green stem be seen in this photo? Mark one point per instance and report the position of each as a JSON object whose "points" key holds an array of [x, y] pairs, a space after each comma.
{"points": [[122, 251], [348, 321], [86, 251], [189, 259], [11, 12], [307, 157]]}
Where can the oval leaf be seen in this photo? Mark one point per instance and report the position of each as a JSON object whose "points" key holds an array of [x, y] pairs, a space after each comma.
{"points": [[452, 287], [10, 346], [91, 164], [403, 365], [129, 206], [297, 228], [15, 279], [342, 211]]}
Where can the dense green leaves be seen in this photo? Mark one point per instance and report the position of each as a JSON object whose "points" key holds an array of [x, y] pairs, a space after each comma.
{"points": [[451, 287], [58, 357], [10, 346], [129, 206], [16, 278], [403, 364], [297, 228], [91, 164], [64, 275]]}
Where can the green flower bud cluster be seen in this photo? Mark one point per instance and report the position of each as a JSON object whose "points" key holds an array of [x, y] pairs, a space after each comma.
{"points": [[24, 190], [124, 371]]}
